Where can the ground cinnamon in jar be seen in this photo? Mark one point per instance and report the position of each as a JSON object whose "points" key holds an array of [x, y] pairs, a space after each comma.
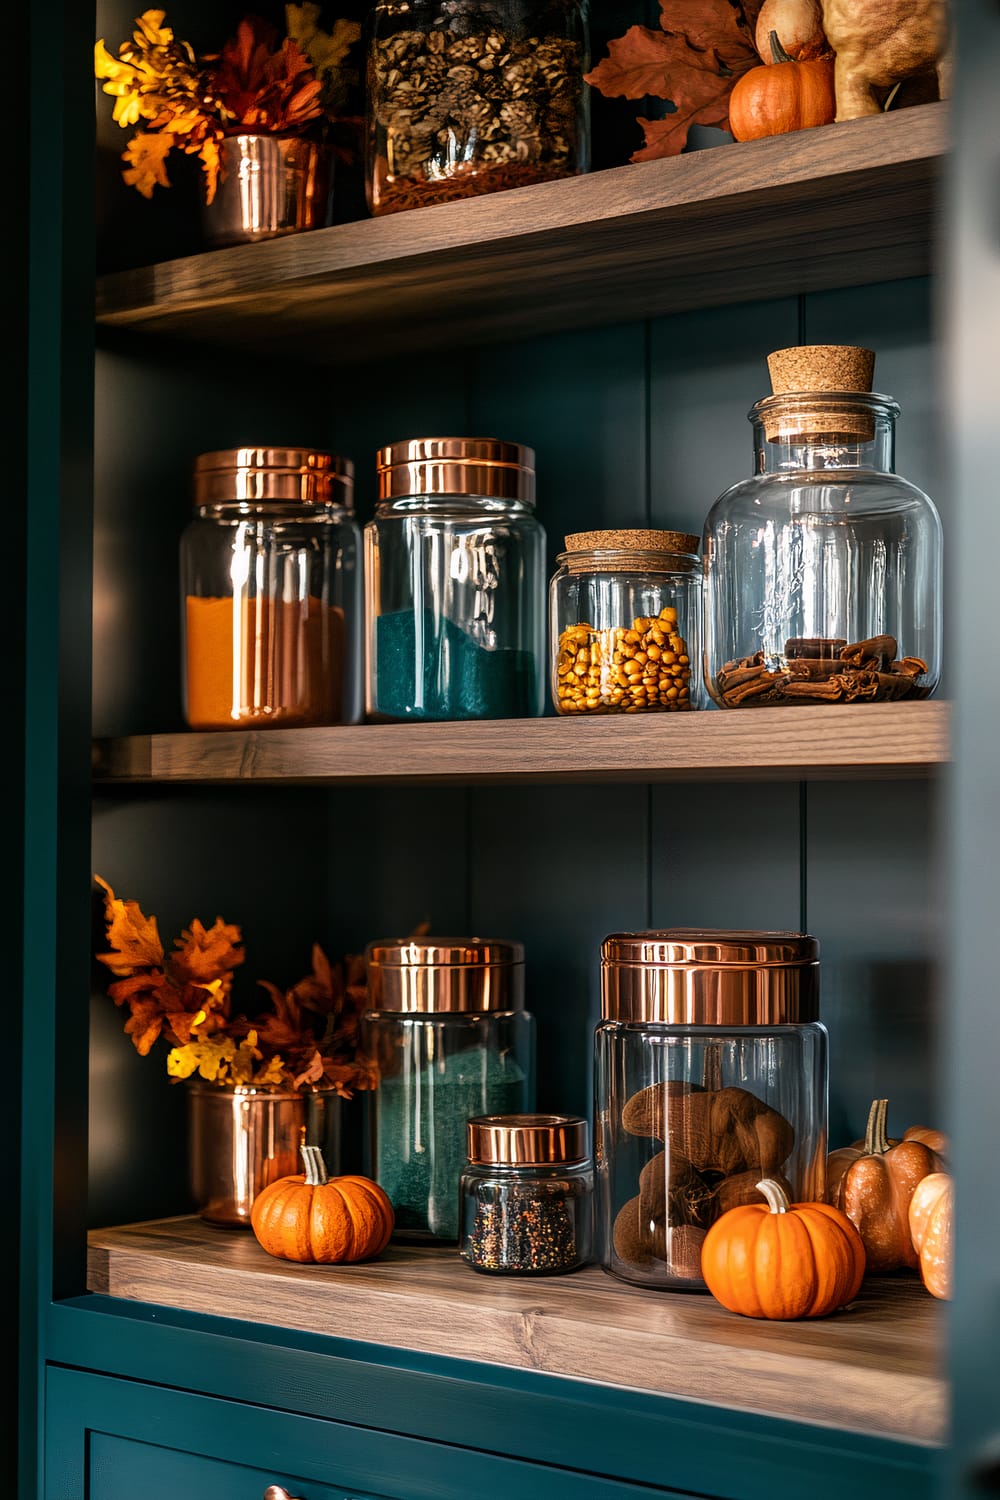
{"points": [[260, 660]]}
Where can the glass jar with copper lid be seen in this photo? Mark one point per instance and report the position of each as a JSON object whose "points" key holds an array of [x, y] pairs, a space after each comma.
{"points": [[710, 1075], [527, 1195], [455, 583], [270, 591], [451, 1039], [625, 623]]}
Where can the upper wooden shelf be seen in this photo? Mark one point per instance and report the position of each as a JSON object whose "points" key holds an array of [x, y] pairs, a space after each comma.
{"points": [[839, 205], [870, 741], [874, 1367]]}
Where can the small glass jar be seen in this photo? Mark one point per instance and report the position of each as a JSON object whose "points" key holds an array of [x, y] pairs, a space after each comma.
{"points": [[625, 623], [451, 1039], [710, 1075], [823, 570], [527, 1195], [471, 96], [270, 602], [455, 583]]}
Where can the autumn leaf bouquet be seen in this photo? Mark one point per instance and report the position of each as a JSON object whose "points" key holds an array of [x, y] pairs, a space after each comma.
{"points": [[304, 1037], [174, 100]]}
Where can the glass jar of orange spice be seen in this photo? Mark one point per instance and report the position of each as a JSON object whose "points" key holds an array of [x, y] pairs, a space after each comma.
{"points": [[270, 594]]}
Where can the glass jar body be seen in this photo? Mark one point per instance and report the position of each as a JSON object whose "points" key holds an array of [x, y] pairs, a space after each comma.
{"points": [[270, 616], [625, 633], [526, 1220], [455, 609], [435, 1073], [823, 571], [688, 1120], [471, 96]]}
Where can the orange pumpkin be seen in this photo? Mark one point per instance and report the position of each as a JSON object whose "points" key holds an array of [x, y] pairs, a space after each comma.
{"points": [[782, 96], [935, 1139], [931, 1217], [875, 1192], [779, 1260], [327, 1220]]}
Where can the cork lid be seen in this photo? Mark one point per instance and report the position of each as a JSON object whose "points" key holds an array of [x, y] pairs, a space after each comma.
{"points": [[808, 369], [590, 551]]}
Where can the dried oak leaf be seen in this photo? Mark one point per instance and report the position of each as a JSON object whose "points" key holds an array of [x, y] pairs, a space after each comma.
{"points": [[692, 62], [203, 954], [134, 937]]}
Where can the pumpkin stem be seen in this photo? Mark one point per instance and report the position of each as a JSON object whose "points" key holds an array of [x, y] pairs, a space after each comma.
{"points": [[778, 53], [777, 1198], [315, 1166], [876, 1140]]}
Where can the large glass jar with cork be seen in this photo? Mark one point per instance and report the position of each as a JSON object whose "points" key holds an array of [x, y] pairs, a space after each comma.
{"points": [[455, 583], [451, 1039], [823, 571], [473, 96], [625, 623], [270, 591], [710, 1076]]}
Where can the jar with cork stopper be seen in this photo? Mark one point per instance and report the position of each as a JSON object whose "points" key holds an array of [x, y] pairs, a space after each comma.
{"points": [[625, 623], [823, 571]]}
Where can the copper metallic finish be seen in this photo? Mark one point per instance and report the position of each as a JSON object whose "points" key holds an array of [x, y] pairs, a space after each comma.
{"points": [[527, 1140], [482, 467], [261, 475], [445, 974], [691, 977]]}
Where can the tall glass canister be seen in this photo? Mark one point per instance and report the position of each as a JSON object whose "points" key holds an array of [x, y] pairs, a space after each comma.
{"points": [[270, 591], [455, 583], [473, 96], [710, 1074], [823, 579], [452, 1040]]}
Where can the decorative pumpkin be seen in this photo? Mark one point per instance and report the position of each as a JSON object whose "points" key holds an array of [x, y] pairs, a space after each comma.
{"points": [[935, 1139], [781, 96], [798, 25], [782, 1260], [931, 1216], [875, 1191], [839, 1160], [327, 1220]]}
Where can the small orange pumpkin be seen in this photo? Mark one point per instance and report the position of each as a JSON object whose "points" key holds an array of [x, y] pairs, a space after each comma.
{"points": [[875, 1192], [931, 1216], [782, 1260], [782, 96], [326, 1220]]}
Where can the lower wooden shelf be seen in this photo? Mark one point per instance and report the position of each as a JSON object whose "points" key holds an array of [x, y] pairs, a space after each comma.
{"points": [[874, 1367]]}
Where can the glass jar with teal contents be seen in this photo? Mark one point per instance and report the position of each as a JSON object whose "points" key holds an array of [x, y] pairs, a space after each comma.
{"points": [[455, 583], [452, 1040]]}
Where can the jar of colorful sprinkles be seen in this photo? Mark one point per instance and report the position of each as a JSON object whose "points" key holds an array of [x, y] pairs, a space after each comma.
{"points": [[527, 1195]]}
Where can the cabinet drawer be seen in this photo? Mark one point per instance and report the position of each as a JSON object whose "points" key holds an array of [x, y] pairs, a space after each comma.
{"points": [[109, 1439]]}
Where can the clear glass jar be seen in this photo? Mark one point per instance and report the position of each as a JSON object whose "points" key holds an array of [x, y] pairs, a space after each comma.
{"points": [[527, 1195], [823, 570], [451, 1039], [710, 1074], [270, 601], [625, 623], [471, 96], [455, 583]]}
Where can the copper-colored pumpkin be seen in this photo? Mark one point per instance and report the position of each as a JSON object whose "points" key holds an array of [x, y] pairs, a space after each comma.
{"points": [[875, 1191], [327, 1220], [782, 96], [931, 1217], [782, 1260], [935, 1139]]}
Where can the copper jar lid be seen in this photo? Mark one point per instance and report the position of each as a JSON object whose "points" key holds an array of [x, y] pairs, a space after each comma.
{"points": [[441, 974], [285, 475], [527, 1140], [686, 976], [483, 467]]}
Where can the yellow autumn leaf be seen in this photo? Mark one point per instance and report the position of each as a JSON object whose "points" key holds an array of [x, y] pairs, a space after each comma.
{"points": [[150, 30], [146, 155]]}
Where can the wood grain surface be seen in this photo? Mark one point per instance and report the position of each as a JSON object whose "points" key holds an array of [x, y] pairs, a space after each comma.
{"points": [[839, 743], [839, 205], [872, 1367]]}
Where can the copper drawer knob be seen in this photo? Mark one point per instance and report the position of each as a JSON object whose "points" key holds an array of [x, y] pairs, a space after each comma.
{"points": [[277, 1492]]}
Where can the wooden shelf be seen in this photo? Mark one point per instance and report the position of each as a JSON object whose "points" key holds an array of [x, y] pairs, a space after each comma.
{"points": [[873, 1367], [870, 741], [840, 205]]}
